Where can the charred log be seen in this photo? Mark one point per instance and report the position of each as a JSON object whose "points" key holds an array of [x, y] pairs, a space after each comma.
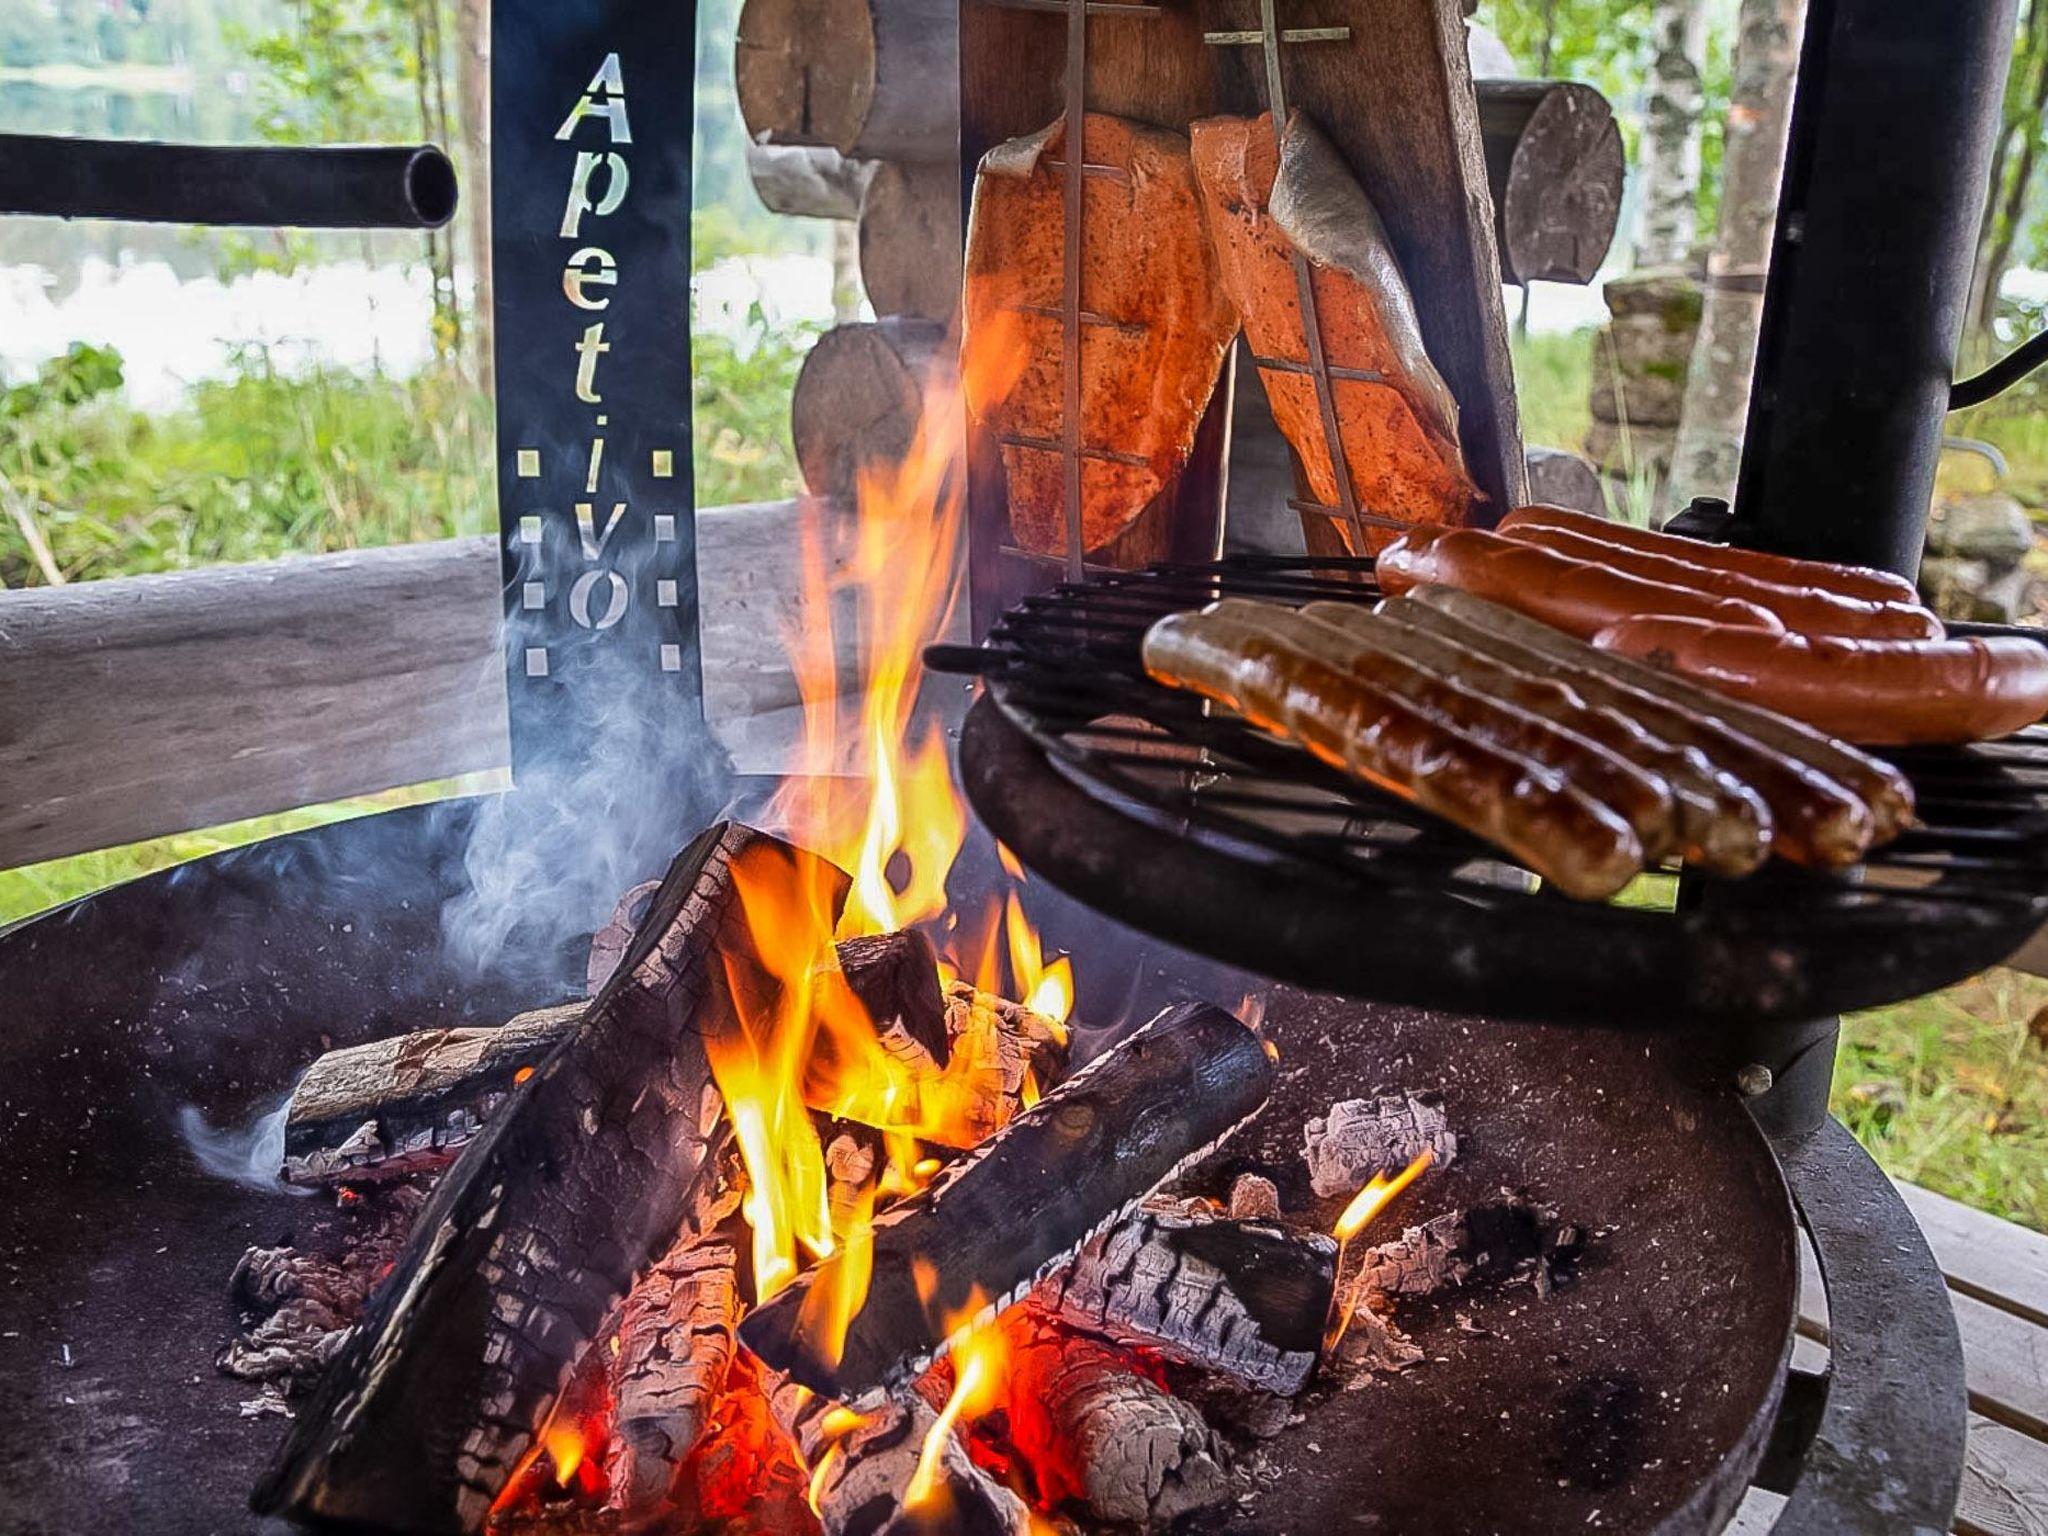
{"points": [[1245, 1299], [991, 1224], [573, 1189], [409, 1104], [1362, 1137], [997, 1047], [609, 944], [744, 1478], [1100, 1434], [896, 978]]}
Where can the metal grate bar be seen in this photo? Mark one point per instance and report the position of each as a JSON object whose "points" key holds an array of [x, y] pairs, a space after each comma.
{"points": [[1290, 35], [1289, 365], [1049, 445]]}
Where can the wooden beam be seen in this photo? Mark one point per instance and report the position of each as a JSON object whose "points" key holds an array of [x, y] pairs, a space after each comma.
{"points": [[150, 705]]}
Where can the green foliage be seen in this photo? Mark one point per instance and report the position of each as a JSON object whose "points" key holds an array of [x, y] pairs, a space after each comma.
{"points": [[337, 74], [1553, 382], [741, 400]]}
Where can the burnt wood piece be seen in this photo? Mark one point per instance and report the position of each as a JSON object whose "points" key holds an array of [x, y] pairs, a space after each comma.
{"points": [[853, 1159], [808, 181], [896, 978], [1245, 1299], [862, 1470], [674, 1348], [996, 1046], [1102, 1436], [1422, 1260], [873, 79], [858, 402], [1371, 1343], [609, 944], [410, 1103], [1362, 1137], [989, 1226], [1254, 1197], [910, 256], [573, 1189], [1554, 167]]}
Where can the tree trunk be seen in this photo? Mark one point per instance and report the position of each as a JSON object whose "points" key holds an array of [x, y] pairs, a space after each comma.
{"points": [[473, 98], [1670, 173], [2008, 206], [1709, 447]]}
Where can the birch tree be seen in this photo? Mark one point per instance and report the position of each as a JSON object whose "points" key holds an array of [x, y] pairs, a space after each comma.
{"points": [[1709, 447], [1668, 177]]}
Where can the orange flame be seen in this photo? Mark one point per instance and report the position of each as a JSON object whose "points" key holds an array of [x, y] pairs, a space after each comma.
{"points": [[979, 1359], [1377, 1195], [1049, 989]]}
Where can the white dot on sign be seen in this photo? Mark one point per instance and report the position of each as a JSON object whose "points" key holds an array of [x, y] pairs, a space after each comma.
{"points": [[665, 593], [664, 527], [664, 464], [529, 463], [529, 529], [604, 421], [671, 658], [536, 661], [533, 594]]}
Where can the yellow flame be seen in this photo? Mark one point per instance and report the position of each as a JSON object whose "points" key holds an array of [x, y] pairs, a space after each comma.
{"points": [[1377, 1195], [1047, 989], [564, 1443], [978, 1360]]}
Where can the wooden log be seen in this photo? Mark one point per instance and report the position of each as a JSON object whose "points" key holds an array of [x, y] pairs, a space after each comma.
{"points": [[910, 254], [991, 1224], [389, 1108], [996, 1047], [895, 977], [532, 1237], [859, 400], [1362, 1137], [873, 79], [808, 181], [1244, 1299], [1554, 168], [1102, 1435]]}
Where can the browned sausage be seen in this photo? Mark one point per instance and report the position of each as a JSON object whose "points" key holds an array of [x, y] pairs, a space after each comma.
{"points": [[1577, 596], [1879, 692], [1723, 824], [1578, 845], [1809, 610], [1849, 580], [1828, 801], [1639, 796]]}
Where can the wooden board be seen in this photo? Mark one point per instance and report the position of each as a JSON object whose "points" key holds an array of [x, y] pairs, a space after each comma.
{"points": [[145, 706]]}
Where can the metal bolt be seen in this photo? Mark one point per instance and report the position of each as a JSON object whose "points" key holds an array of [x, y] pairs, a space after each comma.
{"points": [[1753, 1080]]}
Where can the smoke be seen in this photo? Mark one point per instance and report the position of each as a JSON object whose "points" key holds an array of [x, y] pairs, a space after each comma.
{"points": [[250, 1155]]}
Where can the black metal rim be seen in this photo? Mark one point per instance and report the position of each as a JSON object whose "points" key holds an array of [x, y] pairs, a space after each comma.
{"points": [[1363, 895]]}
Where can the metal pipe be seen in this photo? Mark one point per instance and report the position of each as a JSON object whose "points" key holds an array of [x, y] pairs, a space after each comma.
{"points": [[1886, 176], [373, 186]]}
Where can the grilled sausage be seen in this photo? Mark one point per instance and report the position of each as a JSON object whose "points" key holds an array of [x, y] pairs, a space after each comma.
{"points": [[1880, 692], [1639, 796], [1829, 803], [1528, 810], [1579, 597], [1807, 609], [1849, 580], [1723, 825]]}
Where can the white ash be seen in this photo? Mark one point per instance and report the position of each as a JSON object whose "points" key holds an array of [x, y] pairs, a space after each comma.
{"points": [[1362, 1137]]}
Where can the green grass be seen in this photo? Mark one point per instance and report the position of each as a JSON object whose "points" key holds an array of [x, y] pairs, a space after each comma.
{"points": [[1950, 1091], [1553, 378]]}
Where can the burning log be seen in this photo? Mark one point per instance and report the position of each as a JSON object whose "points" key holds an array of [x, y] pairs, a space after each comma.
{"points": [[1101, 1434], [997, 1047], [744, 1478], [408, 1104], [858, 402], [1242, 1298], [675, 1346], [571, 1191], [863, 1464], [1362, 1137], [910, 250], [896, 978], [991, 1224]]}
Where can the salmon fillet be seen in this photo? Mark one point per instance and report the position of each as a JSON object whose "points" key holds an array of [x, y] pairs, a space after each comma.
{"points": [[1266, 199], [1147, 270]]}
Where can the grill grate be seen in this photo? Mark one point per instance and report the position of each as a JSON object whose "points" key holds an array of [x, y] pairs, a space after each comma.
{"points": [[1957, 892]]}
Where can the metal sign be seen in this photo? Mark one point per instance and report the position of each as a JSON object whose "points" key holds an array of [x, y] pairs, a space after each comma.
{"points": [[591, 106]]}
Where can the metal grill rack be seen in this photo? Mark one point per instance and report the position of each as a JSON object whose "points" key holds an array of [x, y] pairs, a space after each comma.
{"points": [[1192, 825]]}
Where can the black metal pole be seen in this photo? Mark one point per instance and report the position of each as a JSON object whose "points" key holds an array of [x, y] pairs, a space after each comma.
{"points": [[1885, 181], [395, 186]]}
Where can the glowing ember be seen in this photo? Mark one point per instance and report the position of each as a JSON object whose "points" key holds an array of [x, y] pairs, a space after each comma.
{"points": [[978, 1360], [564, 1445]]}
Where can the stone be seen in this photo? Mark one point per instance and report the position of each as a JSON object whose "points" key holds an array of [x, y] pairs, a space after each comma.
{"points": [[1560, 478], [1670, 294], [1639, 368], [1974, 591], [1991, 527], [1623, 452]]}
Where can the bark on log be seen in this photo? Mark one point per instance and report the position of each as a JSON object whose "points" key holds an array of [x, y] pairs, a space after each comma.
{"points": [[1362, 1137], [873, 79], [860, 1473], [675, 1345], [1554, 167], [859, 400], [573, 1189], [1244, 1299], [806, 181], [991, 1224], [405, 1105], [910, 241], [1101, 1436]]}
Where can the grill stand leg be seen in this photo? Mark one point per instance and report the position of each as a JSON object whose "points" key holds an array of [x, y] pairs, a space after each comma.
{"points": [[1877, 1443]]}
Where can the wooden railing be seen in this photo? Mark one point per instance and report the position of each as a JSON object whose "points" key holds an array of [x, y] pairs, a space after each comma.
{"points": [[150, 705]]}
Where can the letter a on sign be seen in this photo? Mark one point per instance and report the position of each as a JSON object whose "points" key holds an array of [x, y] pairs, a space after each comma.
{"points": [[604, 97]]}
